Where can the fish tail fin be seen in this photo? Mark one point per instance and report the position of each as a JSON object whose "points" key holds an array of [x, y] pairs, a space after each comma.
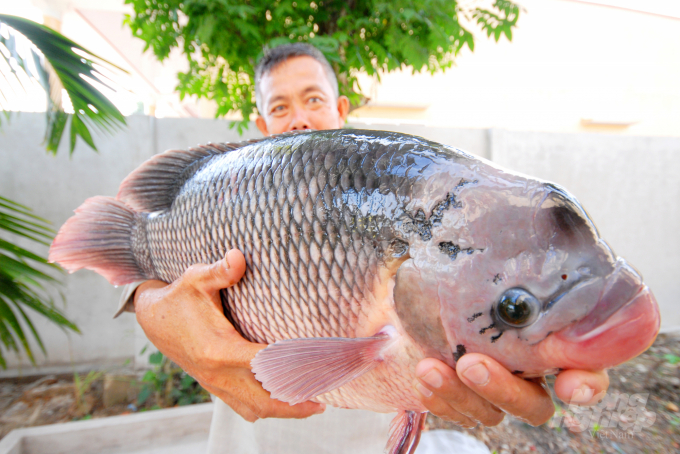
{"points": [[99, 237]]}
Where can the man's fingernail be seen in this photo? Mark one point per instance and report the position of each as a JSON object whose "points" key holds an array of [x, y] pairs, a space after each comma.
{"points": [[321, 409], [582, 394], [421, 389], [433, 378], [226, 261], [477, 374]]}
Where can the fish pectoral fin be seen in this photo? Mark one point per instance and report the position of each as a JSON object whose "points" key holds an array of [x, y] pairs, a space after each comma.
{"points": [[296, 370], [405, 431]]}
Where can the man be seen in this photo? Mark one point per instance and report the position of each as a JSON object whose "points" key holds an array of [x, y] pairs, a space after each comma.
{"points": [[297, 89]]}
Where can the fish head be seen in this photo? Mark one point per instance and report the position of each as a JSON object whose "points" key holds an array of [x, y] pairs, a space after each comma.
{"points": [[519, 272]]}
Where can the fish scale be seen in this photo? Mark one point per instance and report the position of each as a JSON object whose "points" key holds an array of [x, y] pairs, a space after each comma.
{"points": [[253, 306]]}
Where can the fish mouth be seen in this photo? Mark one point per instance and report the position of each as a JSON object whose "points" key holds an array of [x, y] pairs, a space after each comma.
{"points": [[623, 323]]}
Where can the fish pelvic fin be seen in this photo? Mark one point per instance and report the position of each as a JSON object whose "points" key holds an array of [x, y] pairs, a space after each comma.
{"points": [[405, 431], [100, 237], [296, 370]]}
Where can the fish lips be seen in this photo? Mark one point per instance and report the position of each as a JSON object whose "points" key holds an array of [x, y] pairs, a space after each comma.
{"points": [[624, 323], [622, 288]]}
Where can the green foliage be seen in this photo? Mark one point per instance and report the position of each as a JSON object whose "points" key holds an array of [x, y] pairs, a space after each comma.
{"points": [[672, 359], [169, 384], [595, 429], [59, 63], [82, 386], [24, 280], [223, 39]]}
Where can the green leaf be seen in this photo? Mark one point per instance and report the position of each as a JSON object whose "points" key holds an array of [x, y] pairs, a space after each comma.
{"points": [[143, 395], [149, 376], [24, 280], [66, 65], [156, 358], [187, 381], [672, 359]]}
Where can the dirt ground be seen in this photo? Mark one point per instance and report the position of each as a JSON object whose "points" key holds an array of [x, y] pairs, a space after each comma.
{"points": [[49, 399], [643, 416]]}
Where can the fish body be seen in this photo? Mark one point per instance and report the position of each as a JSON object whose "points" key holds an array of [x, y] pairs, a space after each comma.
{"points": [[367, 252]]}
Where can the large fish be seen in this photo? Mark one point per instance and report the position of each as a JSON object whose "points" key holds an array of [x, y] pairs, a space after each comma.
{"points": [[368, 251]]}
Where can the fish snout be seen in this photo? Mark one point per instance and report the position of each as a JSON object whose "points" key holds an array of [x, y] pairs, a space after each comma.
{"points": [[623, 287], [624, 323]]}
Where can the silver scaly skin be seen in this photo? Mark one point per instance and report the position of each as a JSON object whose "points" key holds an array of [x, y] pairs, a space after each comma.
{"points": [[317, 219]]}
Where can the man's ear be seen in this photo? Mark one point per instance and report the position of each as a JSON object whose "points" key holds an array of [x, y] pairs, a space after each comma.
{"points": [[262, 125], [343, 109]]}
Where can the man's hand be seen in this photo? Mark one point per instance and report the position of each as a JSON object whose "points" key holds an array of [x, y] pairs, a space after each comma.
{"points": [[480, 390], [184, 320]]}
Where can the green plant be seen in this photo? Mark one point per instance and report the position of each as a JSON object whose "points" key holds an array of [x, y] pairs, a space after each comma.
{"points": [[595, 429], [81, 387], [169, 384], [60, 65], [24, 280], [223, 40], [671, 359]]}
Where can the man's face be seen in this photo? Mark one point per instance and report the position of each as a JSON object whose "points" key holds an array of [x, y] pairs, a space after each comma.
{"points": [[298, 95]]}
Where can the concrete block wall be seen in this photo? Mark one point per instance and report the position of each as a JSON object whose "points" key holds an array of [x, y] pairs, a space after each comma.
{"points": [[629, 185]]}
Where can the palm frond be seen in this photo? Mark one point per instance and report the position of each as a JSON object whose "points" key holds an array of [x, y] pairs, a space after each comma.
{"points": [[33, 53], [25, 281]]}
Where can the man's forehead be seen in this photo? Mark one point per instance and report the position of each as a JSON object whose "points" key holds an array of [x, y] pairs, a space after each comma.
{"points": [[295, 75]]}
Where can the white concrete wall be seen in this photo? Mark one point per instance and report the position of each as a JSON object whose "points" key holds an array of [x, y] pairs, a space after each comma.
{"points": [[628, 184]]}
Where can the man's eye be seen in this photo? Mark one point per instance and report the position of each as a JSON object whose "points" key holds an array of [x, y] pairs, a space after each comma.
{"points": [[278, 109], [314, 99]]}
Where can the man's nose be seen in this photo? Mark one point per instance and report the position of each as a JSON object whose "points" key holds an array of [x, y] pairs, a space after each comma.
{"points": [[299, 120]]}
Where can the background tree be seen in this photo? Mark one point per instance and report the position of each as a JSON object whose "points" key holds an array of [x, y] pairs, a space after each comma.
{"points": [[223, 39]]}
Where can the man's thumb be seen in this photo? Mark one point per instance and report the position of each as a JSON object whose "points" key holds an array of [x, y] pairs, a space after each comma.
{"points": [[219, 275]]}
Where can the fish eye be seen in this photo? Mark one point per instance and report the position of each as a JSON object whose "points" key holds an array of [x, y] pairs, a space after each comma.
{"points": [[518, 308]]}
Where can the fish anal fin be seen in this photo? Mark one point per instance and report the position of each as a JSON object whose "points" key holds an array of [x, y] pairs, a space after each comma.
{"points": [[296, 370], [405, 431]]}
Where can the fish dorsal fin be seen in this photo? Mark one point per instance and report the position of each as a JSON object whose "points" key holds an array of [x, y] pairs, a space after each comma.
{"points": [[295, 370], [153, 185]]}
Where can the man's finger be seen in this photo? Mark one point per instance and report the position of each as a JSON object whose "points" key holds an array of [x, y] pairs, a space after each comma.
{"points": [[523, 399], [581, 387], [443, 393], [222, 274]]}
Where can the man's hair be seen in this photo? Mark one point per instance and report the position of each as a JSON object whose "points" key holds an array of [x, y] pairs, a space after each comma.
{"points": [[274, 57]]}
